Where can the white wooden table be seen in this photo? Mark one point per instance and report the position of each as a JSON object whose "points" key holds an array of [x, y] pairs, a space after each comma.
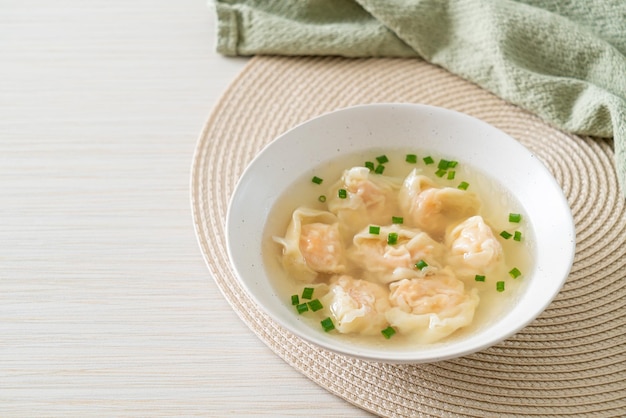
{"points": [[106, 305]]}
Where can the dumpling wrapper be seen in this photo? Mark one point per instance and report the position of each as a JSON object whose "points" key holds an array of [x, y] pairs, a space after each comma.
{"points": [[433, 208], [357, 306], [312, 244], [371, 198], [473, 248], [385, 263], [431, 308]]}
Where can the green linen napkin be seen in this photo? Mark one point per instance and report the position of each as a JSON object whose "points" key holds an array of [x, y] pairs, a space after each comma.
{"points": [[562, 60]]}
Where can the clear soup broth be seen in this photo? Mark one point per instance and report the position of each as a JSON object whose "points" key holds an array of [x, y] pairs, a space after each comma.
{"points": [[448, 280]]}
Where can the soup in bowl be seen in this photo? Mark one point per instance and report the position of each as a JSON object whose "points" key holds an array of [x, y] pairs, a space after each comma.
{"points": [[401, 233]]}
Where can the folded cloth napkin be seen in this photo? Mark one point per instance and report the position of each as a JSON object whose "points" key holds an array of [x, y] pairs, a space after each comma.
{"points": [[562, 60]]}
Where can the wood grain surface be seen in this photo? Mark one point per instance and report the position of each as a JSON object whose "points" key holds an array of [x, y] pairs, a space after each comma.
{"points": [[106, 305]]}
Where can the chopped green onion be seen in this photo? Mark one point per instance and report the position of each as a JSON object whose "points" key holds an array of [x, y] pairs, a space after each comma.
{"points": [[479, 278], [342, 193], [452, 164], [327, 324], [440, 173], [428, 160], [388, 332], [505, 235], [515, 273], [307, 293], [317, 180], [322, 198], [295, 300], [500, 286], [379, 169], [443, 164], [392, 238], [517, 236], [374, 230], [421, 265], [315, 305], [451, 174], [464, 185], [302, 308], [397, 219], [411, 158], [369, 165], [515, 217], [382, 159]]}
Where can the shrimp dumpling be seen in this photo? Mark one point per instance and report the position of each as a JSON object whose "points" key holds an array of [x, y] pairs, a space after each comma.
{"points": [[371, 198], [384, 263], [432, 208], [312, 245], [473, 248], [427, 309], [357, 306]]}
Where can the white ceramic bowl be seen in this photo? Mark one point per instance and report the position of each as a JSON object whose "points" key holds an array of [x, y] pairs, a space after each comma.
{"points": [[297, 152]]}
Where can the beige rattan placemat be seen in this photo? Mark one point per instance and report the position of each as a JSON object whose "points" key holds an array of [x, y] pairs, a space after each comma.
{"points": [[571, 361]]}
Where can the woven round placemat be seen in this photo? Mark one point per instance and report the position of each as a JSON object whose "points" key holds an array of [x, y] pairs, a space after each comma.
{"points": [[571, 361]]}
